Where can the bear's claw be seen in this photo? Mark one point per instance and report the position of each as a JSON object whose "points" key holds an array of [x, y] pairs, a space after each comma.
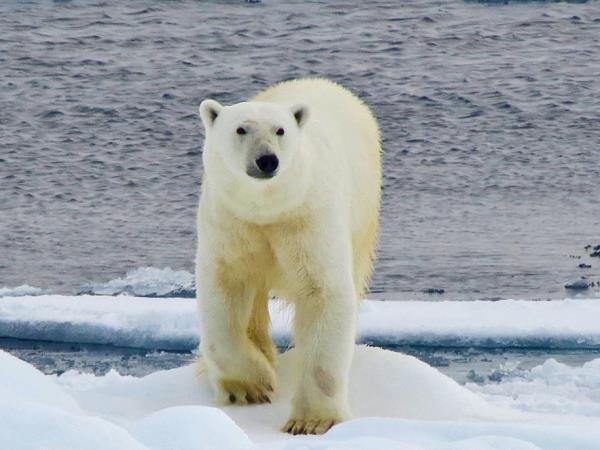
{"points": [[241, 393], [300, 426]]}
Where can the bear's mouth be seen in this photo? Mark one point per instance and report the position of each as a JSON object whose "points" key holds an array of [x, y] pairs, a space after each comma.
{"points": [[265, 166], [256, 173]]}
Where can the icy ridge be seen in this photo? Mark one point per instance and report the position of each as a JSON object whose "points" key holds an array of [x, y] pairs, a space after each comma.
{"points": [[171, 324]]}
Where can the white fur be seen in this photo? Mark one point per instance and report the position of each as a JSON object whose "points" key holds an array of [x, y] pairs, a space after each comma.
{"points": [[306, 235]]}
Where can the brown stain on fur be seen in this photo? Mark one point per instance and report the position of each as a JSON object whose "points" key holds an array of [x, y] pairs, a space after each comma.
{"points": [[325, 381]]}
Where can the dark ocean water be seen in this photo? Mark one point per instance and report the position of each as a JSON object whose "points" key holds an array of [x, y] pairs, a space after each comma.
{"points": [[479, 365], [490, 116]]}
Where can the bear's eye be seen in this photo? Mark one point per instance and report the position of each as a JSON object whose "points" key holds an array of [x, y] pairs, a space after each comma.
{"points": [[280, 132], [240, 130]]}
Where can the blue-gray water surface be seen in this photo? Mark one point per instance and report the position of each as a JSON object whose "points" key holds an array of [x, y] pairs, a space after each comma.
{"points": [[490, 116], [480, 365]]}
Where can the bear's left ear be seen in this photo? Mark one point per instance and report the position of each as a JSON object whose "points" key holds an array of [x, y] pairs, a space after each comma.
{"points": [[209, 111], [300, 113]]}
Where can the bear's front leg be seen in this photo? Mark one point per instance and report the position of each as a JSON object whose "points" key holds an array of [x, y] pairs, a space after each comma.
{"points": [[324, 331], [237, 369]]}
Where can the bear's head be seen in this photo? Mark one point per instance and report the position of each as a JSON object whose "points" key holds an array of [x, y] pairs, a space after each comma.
{"points": [[253, 152], [252, 139]]}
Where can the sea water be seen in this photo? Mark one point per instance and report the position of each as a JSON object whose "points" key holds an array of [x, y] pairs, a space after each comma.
{"points": [[489, 112]]}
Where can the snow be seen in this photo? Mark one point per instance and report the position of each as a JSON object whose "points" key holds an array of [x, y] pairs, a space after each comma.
{"points": [[36, 413], [34, 426], [190, 427], [30, 386], [123, 321], [171, 323], [395, 395], [552, 387], [411, 434], [398, 402]]}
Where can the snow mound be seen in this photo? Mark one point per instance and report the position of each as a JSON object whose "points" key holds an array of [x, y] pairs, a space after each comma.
{"points": [[36, 413], [171, 323], [403, 386], [382, 383], [190, 428], [20, 384], [381, 433], [26, 426], [417, 408]]}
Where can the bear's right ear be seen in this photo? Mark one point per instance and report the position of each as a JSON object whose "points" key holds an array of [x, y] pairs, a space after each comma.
{"points": [[209, 111], [300, 113]]}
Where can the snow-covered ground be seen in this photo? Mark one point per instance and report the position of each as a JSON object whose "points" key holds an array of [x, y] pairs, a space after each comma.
{"points": [[399, 402], [171, 324]]}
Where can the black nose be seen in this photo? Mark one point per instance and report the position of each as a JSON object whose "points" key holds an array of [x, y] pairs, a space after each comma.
{"points": [[267, 164]]}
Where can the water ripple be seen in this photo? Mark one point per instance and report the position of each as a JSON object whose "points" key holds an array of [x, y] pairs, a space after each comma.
{"points": [[489, 115]]}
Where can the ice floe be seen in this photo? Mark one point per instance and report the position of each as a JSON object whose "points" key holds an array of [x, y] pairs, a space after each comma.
{"points": [[171, 323]]}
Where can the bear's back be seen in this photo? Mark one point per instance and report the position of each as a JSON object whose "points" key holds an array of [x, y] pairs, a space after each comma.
{"points": [[328, 102]]}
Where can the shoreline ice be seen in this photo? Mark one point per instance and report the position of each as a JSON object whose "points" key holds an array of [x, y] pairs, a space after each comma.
{"points": [[171, 324]]}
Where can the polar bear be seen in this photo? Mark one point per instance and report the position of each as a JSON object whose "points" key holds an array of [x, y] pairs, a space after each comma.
{"points": [[289, 206]]}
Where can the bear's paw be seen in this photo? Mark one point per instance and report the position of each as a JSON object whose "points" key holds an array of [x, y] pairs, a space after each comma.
{"points": [[309, 426], [242, 392]]}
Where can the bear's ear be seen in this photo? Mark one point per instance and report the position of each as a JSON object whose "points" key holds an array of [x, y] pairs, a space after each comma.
{"points": [[209, 111], [300, 113]]}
